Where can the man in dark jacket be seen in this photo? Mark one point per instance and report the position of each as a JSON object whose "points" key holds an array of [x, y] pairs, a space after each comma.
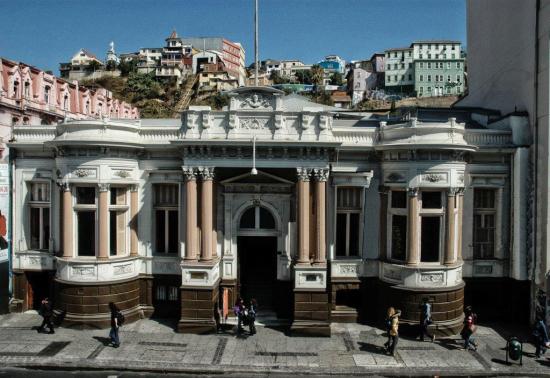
{"points": [[47, 312]]}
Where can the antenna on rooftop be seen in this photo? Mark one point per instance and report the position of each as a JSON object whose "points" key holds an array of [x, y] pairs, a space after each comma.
{"points": [[256, 43]]}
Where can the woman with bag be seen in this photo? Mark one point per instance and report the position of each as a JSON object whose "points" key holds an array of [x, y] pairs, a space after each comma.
{"points": [[470, 319], [240, 313]]}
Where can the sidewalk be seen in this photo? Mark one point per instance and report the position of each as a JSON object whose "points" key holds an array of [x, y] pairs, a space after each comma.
{"points": [[150, 345]]}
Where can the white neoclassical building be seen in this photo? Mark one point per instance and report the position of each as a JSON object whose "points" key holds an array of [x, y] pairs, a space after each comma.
{"points": [[320, 216]]}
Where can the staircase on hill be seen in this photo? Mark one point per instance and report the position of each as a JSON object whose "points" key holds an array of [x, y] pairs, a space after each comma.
{"points": [[187, 91]]}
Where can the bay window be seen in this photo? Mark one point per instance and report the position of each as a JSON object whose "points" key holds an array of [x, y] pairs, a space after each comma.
{"points": [[86, 208], [39, 204], [166, 217], [118, 209], [398, 220], [484, 223], [348, 223]]}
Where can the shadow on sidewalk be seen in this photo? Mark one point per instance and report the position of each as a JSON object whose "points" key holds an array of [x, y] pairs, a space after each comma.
{"points": [[104, 340], [366, 347], [450, 344]]}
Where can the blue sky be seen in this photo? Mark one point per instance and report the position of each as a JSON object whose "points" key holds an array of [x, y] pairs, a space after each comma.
{"points": [[44, 33]]}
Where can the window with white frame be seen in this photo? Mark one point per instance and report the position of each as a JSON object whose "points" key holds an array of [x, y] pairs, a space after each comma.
{"points": [[39, 217], [85, 208], [348, 223], [166, 217], [398, 225], [484, 223], [431, 219], [118, 210], [47, 89], [421, 78]]}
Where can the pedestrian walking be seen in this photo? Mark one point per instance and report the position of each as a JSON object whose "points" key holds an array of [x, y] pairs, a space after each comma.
{"points": [[116, 322], [425, 320], [239, 310], [469, 328], [540, 335], [217, 317], [46, 311], [252, 311], [394, 330]]}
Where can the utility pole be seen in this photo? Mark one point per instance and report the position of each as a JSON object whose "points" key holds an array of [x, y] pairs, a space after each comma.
{"points": [[256, 43]]}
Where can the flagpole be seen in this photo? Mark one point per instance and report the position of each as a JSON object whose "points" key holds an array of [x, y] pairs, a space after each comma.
{"points": [[256, 43]]}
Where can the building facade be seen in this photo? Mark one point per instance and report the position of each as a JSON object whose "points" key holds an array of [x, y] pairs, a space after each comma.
{"points": [[320, 218], [426, 69], [521, 86]]}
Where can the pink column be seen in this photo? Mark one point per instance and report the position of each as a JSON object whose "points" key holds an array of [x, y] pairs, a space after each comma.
{"points": [[134, 220], [191, 213], [321, 176], [67, 221], [413, 257], [103, 221], [207, 174], [303, 215]]}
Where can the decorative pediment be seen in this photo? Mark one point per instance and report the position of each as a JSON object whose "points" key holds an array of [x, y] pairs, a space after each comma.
{"points": [[255, 101]]}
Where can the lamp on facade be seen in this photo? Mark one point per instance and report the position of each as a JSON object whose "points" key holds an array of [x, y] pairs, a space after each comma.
{"points": [[254, 171]]}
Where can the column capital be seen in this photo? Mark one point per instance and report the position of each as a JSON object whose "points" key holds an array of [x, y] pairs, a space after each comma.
{"points": [[190, 173], [207, 173], [134, 188], [303, 173], [104, 187], [451, 192], [320, 174], [65, 186], [413, 192]]}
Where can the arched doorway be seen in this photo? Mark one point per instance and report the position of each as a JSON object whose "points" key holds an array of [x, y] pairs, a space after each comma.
{"points": [[257, 256]]}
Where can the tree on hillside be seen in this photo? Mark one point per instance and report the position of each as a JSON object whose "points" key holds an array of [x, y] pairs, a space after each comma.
{"points": [[303, 76], [277, 78], [111, 65], [317, 75], [94, 66], [127, 67], [143, 86], [336, 79]]}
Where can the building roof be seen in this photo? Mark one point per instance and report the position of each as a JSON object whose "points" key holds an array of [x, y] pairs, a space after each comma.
{"points": [[89, 53], [399, 48], [173, 35], [435, 41], [296, 103]]}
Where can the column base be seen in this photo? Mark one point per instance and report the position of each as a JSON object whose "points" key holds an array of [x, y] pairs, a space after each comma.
{"points": [[311, 314], [197, 309]]}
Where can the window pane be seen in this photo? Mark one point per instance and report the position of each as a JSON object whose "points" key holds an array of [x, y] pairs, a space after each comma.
{"points": [[173, 231], [266, 219], [398, 199], [159, 231], [431, 200], [118, 196], [166, 195], [161, 293], [45, 228], [40, 192], [172, 293], [112, 233], [429, 244], [85, 195], [248, 218], [354, 234], [341, 234], [399, 237], [86, 233], [349, 198], [35, 228], [484, 198]]}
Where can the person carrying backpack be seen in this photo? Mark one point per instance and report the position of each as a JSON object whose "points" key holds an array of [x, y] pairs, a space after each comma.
{"points": [[47, 312], [394, 330], [239, 310], [469, 328], [252, 311], [540, 335], [117, 318], [425, 320]]}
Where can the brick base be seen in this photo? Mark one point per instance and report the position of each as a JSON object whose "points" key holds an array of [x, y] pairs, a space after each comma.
{"points": [[447, 307], [311, 314], [87, 306], [197, 310]]}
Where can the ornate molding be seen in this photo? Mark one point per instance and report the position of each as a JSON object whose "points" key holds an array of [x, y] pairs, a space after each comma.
{"points": [[320, 174], [395, 177], [122, 173], [433, 177], [82, 172], [412, 192], [253, 123], [255, 101], [432, 277], [190, 173], [303, 173], [134, 188], [65, 186], [104, 187], [207, 173]]}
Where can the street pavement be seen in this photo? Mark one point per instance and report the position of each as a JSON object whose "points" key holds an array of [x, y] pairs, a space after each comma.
{"points": [[153, 347]]}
